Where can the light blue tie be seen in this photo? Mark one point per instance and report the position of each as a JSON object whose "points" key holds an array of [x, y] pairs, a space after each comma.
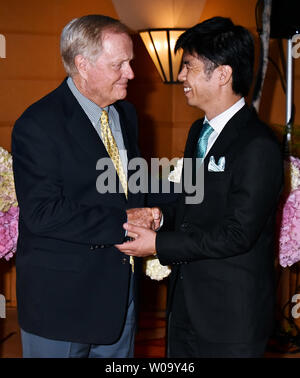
{"points": [[203, 139]]}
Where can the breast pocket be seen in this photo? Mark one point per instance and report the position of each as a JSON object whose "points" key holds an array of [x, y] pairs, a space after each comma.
{"points": [[217, 176]]}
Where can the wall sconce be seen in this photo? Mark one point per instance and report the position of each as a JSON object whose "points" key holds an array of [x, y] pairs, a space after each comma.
{"points": [[160, 44]]}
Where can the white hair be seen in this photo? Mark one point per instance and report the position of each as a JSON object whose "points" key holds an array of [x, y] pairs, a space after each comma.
{"points": [[82, 36]]}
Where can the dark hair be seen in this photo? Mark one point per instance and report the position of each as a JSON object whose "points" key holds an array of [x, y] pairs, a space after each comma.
{"points": [[220, 42]]}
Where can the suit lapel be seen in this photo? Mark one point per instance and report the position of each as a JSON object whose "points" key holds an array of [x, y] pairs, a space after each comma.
{"points": [[80, 127], [190, 153], [222, 145], [229, 132], [84, 132], [129, 139], [190, 149], [224, 142], [127, 135]]}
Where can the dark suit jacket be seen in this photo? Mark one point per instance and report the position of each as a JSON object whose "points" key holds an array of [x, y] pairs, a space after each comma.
{"points": [[224, 246], [72, 284]]}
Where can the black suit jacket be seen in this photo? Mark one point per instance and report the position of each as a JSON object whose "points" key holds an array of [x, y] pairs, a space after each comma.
{"points": [[224, 246], [72, 284]]}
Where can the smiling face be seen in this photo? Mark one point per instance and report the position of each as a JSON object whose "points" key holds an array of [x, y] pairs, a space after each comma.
{"points": [[104, 80], [200, 86]]}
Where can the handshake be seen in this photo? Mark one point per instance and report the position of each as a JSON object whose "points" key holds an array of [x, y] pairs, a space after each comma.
{"points": [[144, 217], [141, 226]]}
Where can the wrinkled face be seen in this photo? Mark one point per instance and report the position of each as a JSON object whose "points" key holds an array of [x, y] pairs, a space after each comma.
{"points": [[200, 87], [107, 77]]}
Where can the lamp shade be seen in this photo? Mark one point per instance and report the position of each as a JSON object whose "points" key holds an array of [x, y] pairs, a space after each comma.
{"points": [[160, 23], [152, 14], [160, 44]]}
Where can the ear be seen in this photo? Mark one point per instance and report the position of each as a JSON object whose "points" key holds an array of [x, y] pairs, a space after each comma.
{"points": [[82, 65], [225, 74]]}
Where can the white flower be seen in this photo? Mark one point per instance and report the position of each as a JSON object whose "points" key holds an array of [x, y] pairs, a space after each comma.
{"points": [[7, 184], [155, 270], [295, 177], [175, 175]]}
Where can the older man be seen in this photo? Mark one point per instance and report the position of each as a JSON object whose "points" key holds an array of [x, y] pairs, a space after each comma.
{"points": [[75, 290]]}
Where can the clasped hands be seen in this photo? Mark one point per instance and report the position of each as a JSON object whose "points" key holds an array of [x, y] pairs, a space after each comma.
{"points": [[141, 226]]}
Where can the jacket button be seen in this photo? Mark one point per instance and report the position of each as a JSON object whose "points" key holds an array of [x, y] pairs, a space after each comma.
{"points": [[92, 247], [124, 260], [184, 226]]}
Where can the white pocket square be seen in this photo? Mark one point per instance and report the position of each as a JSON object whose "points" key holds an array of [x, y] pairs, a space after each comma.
{"points": [[213, 167]]}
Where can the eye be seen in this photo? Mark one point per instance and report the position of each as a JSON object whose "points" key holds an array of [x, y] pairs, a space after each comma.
{"points": [[186, 64], [116, 66]]}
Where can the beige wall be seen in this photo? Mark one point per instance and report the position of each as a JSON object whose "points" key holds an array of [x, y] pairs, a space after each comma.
{"points": [[33, 67]]}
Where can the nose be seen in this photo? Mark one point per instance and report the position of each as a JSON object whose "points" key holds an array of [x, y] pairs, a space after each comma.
{"points": [[129, 72], [182, 74]]}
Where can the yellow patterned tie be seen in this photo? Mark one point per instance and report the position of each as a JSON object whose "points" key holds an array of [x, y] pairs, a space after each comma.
{"points": [[113, 151]]}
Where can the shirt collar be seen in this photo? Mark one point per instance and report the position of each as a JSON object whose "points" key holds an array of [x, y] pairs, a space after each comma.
{"points": [[92, 110], [219, 122]]}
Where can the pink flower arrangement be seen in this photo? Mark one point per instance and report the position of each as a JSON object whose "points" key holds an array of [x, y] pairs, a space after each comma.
{"points": [[289, 240], [9, 232], [9, 211], [289, 237]]}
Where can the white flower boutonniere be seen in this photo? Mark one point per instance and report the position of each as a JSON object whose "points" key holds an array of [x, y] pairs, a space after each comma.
{"points": [[175, 175]]}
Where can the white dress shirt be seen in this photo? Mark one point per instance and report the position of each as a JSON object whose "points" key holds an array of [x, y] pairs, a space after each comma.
{"points": [[219, 122]]}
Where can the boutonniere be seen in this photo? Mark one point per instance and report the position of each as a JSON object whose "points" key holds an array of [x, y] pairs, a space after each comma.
{"points": [[175, 175]]}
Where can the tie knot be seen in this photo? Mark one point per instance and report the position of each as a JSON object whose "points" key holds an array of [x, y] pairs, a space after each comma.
{"points": [[203, 139], [104, 117], [206, 129]]}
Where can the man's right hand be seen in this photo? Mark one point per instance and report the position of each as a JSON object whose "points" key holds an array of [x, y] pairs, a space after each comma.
{"points": [[145, 217]]}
